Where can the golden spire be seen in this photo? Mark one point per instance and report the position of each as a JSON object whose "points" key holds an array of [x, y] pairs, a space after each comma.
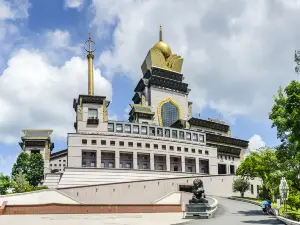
{"points": [[90, 57], [160, 33]]}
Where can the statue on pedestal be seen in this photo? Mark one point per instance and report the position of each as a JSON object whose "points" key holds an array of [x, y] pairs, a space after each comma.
{"points": [[198, 192]]}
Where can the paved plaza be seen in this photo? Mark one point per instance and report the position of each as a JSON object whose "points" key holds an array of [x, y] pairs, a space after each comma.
{"points": [[229, 212]]}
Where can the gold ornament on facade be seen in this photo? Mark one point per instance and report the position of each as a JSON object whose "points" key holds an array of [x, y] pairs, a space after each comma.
{"points": [[160, 106], [79, 110], [105, 112], [160, 55], [143, 100]]}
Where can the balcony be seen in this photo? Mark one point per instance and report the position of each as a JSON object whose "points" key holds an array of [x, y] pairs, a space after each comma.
{"points": [[93, 121]]}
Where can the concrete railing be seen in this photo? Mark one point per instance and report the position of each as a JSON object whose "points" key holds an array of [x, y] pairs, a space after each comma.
{"points": [[206, 214], [274, 211]]}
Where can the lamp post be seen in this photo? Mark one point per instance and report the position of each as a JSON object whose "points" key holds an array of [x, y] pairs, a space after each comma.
{"points": [[284, 192]]}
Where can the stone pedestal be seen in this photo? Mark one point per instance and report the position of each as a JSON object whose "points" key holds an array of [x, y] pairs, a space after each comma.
{"points": [[197, 211]]}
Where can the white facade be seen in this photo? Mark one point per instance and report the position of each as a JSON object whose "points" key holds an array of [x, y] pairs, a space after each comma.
{"points": [[59, 163]]}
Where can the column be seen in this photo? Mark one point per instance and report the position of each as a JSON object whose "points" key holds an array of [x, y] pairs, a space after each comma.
{"points": [[197, 165], [168, 162], [98, 159], [117, 159], [183, 163], [135, 163], [146, 91], [152, 161]]}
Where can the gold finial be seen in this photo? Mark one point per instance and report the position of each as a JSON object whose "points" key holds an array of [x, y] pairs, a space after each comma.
{"points": [[90, 57], [160, 33]]}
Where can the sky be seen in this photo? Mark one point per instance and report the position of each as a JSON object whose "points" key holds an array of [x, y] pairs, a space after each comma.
{"points": [[236, 55]]}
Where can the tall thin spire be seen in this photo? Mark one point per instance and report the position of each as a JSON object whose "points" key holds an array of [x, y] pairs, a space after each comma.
{"points": [[90, 57], [160, 33]]}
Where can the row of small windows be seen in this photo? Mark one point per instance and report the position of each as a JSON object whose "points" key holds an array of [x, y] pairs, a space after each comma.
{"points": [[160, 132], [147, 145], [58, 165], [226, 157]]}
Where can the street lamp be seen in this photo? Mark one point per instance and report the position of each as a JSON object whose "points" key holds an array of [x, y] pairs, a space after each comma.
{"points": [[284, 192]]}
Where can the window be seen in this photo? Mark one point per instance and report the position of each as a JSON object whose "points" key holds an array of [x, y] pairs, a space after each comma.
{"points": [[159, 132], [84, 141], [102, 165], [139, 145], [232, 158], [175, 168], [64, 160], [64, 165], [147, 145], [163, 147], [121, 143], [144, 130], [167, 133], [171, 148], [103, 142], [88, 159], [181, 135], [188, 136], [59, 160], [193, 150], [174, 133], [135, 129], [201, 138], [252, 191], [119, 128], [190, 169], [152, 131], [169, 114], [92, 113], [200, 151], [50, 164], [206, 152], [195, 137], [127, 128], [59, 165], [232, 169], [178, 149], [112, 143], [35, 151], [94, 142], [155, 146], [130, 144], [186, 149], [111, 127]]}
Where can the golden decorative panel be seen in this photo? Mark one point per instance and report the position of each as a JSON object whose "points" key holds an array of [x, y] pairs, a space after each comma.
{"points": [[161, 104], [105, 112]]}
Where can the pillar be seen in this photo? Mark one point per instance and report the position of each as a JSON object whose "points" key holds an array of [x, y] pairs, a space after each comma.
{"points": [[183, 163], [98, 159], [197, 165], [135, 163], [168, 162], [117, 159], [152, 161]]}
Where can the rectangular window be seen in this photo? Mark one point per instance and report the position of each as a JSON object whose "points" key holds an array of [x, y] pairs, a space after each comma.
{"points": [[167, 133], [139, 145], [201, 138], [55, 165], [232, 169], [121, 143], [130, 144], [144, 130], [188, 136], [94, 142], [147, 145], [155, 146], [225, 156], [152, 131], [186, 149], [50, 164], [119, 128], [159, 132], [252, 191], [193, 150], [64, 165], [112, 143], [178, 149], [200, 151], [92, 113], [59, 165], [172, 148], [110, 127], [163, 147], [232, 158], [64, 160], [174, 133], [103, 142], [88, 159], [84, 141], [206, 152], [135, 129], [181, 135], [195, 137], [127, 128]]}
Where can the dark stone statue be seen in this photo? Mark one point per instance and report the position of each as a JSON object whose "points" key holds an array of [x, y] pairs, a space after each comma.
{"points": [[198, 192]]}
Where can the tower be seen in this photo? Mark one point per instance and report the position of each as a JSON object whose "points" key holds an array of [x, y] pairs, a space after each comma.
{"points": [[161, 96], [91, 110]]}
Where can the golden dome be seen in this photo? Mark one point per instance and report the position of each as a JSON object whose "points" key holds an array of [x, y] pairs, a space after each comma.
{"points": [[162, 46]]}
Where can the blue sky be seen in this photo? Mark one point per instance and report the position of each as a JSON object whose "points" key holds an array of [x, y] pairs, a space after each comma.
{"points": [[231, 61]]}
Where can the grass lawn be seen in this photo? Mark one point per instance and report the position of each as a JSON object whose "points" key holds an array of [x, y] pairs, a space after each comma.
{"points": [[292, 212]]}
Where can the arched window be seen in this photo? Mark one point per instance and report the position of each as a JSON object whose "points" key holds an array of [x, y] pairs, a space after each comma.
{"points": [[169, 114]]}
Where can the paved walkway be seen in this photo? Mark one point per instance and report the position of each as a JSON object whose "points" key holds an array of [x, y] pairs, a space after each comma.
{"points": [[236, 213]]}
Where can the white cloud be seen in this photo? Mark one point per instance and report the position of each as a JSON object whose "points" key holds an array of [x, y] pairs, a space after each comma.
{"points": [[236, 53], [113, 117], [74, 3], [36, 94], [58, 38], [255, 143]]}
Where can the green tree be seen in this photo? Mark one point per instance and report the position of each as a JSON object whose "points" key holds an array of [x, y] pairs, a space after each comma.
{"points": [[241, 184], [21, 165], [4, 184], [20, 184], [35, 172]]}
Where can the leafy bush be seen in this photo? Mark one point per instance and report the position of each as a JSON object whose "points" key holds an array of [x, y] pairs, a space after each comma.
{"points": [[241, 185]]}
